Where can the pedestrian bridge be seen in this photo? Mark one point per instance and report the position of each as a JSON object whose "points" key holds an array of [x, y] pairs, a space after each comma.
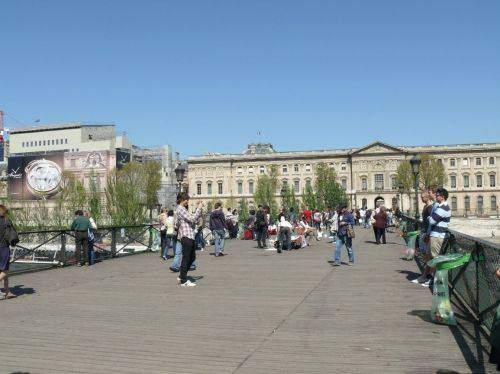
{"points": [[253, 311]]}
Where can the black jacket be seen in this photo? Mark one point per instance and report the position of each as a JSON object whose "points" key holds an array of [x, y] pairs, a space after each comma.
{"points": [[217, 220]]}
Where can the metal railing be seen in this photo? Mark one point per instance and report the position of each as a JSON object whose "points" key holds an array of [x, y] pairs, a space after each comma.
{"points": [[44, 249], [474, 286]]}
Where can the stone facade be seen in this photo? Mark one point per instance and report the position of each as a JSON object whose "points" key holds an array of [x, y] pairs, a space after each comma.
{"points": [[368, 174]]}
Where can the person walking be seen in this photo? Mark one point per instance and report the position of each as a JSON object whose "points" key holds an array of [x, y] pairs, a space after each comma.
{"points": [[380, 225], [5, 226], [261, 225], [162, 220], [81, 226], [423, 237], [169, 234], [218, 228], [186, 223], [368, 217], [345, 223]]}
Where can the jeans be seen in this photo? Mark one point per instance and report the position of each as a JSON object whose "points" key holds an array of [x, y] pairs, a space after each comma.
{"points": [[285, 236], [380, 234], [219, 236], [167, 241], [262, 237], [341, 241], [91, 253], [188, 257], [199, 240], [176, 264]]}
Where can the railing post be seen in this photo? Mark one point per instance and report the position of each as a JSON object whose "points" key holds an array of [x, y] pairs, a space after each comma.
{"points": [[476, 249], [150, 243], [113, 242], [62, 253]]}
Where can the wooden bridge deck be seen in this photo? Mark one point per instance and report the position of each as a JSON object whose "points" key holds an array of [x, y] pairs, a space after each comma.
{"points": [[253, 311]]}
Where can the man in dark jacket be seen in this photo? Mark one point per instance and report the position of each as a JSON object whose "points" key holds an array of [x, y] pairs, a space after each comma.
{"points": [[81, 226], [218, 227], [261, 224]]}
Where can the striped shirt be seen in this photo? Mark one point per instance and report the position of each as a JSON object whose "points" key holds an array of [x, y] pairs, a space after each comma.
{"points": [[186, 222], [439, 220]]}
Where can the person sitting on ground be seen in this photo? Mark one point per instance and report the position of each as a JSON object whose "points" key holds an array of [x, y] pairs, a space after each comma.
{"points": [[307, 230]]}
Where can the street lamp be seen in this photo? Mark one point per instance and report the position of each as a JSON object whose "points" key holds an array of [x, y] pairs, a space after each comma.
{"points": [[415, 168], [179, 174]]}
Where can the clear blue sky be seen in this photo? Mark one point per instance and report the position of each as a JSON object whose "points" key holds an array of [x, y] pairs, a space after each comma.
{"points": [[207, 75]]}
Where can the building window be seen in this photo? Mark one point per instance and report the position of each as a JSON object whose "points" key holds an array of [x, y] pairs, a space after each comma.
{"points": [[308, 183], [493, 180], [296, 168], [479, 180], [478, 161], [262, 169], [394, 183], [284, 184], [44, 142], [250, 170], [467, 203], [284, 168], [23, 145], [364, 184], [296, 186], [31, 144], [343, 166], [453, 181], [52, 141], [453, 162], [466, 181], [198, 188], [332, 166], [465, 162], [57, 141], [379, 181], [308, 167], [239, 170], [209, 188], [72, 163], [480, 208], [493, 202], [491, 160], [344, 183], [240, 187], [219, 186], [364, 203], [250, 187], [66, 141], [454, 203]]}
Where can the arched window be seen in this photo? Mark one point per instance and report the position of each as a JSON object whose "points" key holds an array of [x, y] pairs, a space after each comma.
{"points": [[364, 184], [344, 183], [479, 180], [220, 188], [467, 203], [466, 181], [493, 202], [250, 170], [198, 188], [284, 183], [296, 185], [284, 169], [308, 167], [480, 206], [296, 168], [364, 203], [308, 182], [262, 169], [491, 161]]}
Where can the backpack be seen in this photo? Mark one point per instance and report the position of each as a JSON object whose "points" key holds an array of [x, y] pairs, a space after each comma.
{"points": [[10, 233]]}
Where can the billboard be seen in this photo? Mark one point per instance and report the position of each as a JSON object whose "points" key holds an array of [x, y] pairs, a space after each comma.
{"points": [[122, 157], [34, 177]]}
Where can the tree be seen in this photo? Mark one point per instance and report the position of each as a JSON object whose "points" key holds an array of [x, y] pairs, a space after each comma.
{"points": [[329, 193], [431, 174], [309, 197], [243, 211], [289, 200], [265, 193], [94, 196], [152, 181]]}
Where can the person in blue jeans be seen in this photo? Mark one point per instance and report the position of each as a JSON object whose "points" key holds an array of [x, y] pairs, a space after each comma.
{"points": [[176, 264], [345, 219], [218, 226]]}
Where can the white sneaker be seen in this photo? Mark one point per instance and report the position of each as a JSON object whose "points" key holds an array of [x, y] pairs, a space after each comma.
{"points": [[426, 284], [188, 283], [415, 281], [422, 279]]}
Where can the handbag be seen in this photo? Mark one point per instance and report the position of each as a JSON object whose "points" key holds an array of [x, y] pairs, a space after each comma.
{"points": [[10, 233], [350, 232]]}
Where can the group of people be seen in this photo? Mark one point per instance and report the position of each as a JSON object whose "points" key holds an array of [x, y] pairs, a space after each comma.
{"points": [[85, 230]]}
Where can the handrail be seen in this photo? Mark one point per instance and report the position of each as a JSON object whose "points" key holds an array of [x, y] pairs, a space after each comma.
{"points": [[474, 286]]}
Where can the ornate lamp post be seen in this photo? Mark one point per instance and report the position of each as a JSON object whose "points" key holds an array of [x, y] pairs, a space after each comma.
{"points": [[415, 167], [179, 174]]}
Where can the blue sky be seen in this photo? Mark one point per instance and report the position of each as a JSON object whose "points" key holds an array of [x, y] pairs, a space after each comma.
{"points": [[208, 75]]}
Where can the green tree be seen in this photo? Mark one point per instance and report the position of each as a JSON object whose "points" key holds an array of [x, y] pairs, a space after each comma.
{"points": [[94, 196], [289, 200], [243, 213], [152, 184], [309, 197], [432, 174], [265, 192], [329, 193]]}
